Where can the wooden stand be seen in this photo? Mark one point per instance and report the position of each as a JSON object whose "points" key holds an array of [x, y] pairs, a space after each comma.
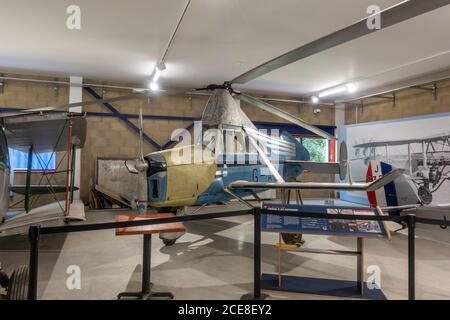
{"points": [[147, 232], [359, 253]]}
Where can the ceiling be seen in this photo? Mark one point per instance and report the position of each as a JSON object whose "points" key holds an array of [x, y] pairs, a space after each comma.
{"points": [[217, 41]]}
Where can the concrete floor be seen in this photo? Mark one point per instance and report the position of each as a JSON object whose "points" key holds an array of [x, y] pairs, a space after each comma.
{"points": [[214, 261]]}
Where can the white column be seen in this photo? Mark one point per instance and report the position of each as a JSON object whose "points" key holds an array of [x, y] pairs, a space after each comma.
{"points": [[76, 95], [339, 122]]}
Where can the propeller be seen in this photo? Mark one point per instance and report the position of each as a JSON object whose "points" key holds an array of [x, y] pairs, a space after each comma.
{"points": [[140, 167], [343, 161]]}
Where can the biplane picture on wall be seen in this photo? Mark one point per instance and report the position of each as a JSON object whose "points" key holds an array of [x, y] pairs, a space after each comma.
{"points": [[419, 145]]}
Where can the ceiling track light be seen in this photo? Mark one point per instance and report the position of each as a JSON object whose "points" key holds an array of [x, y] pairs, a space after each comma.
{"points": [[156, 74], [349, 88]]}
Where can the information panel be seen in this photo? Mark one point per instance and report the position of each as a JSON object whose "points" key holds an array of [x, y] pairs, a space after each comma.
{"points": [[356, 228]]}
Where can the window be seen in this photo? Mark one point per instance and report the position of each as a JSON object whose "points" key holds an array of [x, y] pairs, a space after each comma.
{"points": [[41, 162], [318, 148]]}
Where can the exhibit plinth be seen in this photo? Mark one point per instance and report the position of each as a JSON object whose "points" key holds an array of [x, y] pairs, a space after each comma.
{"points": [[318, 286]]}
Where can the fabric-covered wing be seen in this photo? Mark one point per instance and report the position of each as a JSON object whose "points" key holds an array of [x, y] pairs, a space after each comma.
{"points": [[46, 132], [317, 167]]}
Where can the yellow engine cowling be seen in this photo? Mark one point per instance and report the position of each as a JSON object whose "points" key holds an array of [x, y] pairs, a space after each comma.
{"points": [[189, 172]]}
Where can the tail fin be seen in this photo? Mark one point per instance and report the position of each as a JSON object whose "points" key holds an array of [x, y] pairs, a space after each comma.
{"points": [[393, 194]]}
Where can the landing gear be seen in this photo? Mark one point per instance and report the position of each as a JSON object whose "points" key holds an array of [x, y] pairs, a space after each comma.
{"points": [[293, 239], [168, 242], [169, 239]]}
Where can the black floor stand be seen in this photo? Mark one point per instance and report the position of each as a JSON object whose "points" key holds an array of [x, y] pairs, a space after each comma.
{"points": [[256, 294], [146, 293]]}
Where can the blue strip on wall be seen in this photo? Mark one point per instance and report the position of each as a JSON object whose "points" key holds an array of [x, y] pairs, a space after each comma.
{"points": [[293, 128]]}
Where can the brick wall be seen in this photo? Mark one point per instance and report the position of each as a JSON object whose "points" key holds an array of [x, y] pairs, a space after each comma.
{"points": [[410, 102]]}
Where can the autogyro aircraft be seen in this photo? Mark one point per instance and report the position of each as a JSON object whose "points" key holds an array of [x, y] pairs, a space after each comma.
{"points": [[233, 160]]}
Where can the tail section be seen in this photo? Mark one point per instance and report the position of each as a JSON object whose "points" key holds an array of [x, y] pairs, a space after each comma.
{"points": [[395, 193]]}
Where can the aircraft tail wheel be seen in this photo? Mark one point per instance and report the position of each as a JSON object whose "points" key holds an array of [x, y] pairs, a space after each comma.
{"points": [[425, 195], [18, 284], [292, 238]]}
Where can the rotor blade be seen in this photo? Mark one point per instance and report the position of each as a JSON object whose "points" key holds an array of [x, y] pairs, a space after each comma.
{"points": [[393, 15], [285, 115], [66, 107]]}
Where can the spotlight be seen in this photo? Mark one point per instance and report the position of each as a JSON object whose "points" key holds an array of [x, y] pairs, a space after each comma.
{"points": [[315, 99], [154, 86], [351, 88], [155, 76]]}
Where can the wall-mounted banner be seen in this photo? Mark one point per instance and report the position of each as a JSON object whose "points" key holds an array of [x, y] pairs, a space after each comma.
{"points": [[419, 145]]}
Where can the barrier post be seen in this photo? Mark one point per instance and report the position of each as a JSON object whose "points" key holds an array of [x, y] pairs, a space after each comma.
{"points": [[34, 234], [256, 295], [411, 257], [257, 255]]}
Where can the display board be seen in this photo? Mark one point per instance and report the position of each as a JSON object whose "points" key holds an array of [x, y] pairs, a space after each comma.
{"points": [[323, 226]]}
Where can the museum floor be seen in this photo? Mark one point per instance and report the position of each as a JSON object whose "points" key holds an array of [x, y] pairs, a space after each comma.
{"points": [[214, 261]]}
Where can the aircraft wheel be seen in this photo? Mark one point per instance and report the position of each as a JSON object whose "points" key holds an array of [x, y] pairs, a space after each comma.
{"points": [[292, 238], [425, 195], [169, 239], [169, 242], [18, 284]]}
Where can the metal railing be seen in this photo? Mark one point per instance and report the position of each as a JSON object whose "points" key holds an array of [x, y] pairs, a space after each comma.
{"points": [[410, 220]]}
